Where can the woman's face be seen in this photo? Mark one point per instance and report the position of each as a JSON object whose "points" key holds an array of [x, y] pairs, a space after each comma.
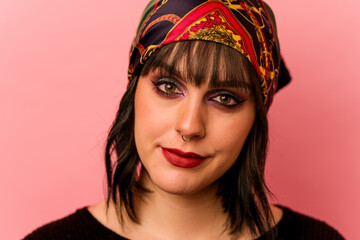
{"points": [[216, 119]]}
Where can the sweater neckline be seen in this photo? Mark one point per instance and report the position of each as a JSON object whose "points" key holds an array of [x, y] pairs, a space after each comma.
{"points": [[85, 214], [97, 226]]}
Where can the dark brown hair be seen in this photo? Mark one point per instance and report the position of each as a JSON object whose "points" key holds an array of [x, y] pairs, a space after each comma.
{"points": [[242, 188]]}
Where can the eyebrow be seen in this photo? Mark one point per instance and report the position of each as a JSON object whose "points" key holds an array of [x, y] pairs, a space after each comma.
{"points": [[165, 68]]}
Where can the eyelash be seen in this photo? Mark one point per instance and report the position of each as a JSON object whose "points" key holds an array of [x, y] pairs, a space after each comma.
{"points": [[167, 81], [215, 93], [226, 93]]}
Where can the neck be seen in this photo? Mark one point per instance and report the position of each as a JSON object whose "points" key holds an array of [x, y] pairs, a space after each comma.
{"points": [[182, 216]]}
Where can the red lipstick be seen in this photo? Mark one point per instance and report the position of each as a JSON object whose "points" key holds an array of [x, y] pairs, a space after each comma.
{"points": [[182, 159]]}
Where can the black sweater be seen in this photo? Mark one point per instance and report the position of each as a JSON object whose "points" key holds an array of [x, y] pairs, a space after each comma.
{"points": [[82, 225]]}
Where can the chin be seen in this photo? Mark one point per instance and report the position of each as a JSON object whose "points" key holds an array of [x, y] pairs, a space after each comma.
{"points": [[179, 189], [178, 184]]}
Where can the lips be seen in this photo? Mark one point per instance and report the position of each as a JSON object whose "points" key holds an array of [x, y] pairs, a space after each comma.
{"points": [[182, 159]]}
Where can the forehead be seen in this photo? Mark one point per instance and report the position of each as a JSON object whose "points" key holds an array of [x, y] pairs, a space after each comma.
{"points": [[200, 62]]}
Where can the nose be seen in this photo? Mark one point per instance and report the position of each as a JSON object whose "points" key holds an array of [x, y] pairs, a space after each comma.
{"points": [[191, 119]]}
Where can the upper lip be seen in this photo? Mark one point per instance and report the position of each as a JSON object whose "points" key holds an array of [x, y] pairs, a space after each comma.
{"points": [[184, 154]]}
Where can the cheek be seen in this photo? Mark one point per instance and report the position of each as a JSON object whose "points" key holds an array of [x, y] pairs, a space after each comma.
{"points": [[232, 133], [143, 114], [150, 118], [144, 121], [233, 145]]}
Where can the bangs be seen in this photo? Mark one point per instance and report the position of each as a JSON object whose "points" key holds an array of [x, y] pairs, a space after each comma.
{"points": [[198, 62]]}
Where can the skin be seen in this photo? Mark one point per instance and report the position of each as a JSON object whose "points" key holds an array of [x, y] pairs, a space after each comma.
{"points": [[183, 203], [217, 130]]}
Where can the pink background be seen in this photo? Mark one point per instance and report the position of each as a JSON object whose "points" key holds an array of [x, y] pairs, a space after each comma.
{"points": [[63, 70]]}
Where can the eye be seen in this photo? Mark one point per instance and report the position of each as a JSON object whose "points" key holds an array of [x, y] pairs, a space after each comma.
{"points": [[226, 99], [167, 86]]}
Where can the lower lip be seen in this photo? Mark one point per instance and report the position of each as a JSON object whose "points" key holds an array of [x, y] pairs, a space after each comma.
{"points": [[180, 161]]}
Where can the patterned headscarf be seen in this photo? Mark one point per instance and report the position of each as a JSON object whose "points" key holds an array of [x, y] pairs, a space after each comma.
{"points": [[248, 26]]}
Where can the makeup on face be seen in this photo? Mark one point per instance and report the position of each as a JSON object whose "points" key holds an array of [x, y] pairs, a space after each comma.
{"points": [[167, 107], [182, 159], [224, 94]]}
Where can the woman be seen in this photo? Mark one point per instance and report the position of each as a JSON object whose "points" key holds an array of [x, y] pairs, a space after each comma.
{"points": [[186, 153]]}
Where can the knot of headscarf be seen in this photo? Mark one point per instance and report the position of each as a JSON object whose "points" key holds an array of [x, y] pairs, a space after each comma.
{"points": [[247, 26]]}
